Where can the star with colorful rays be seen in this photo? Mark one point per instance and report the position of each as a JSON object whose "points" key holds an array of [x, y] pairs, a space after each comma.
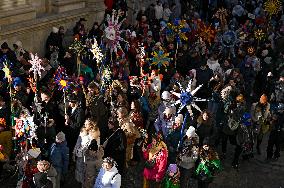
{"points": [[187, 98], [61, 79], [113, 32], [206, 32], [272, 7], [160, 59], [178, 30]]}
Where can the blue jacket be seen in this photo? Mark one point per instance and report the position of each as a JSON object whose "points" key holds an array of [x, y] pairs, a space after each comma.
{"points": [[59, 157]]}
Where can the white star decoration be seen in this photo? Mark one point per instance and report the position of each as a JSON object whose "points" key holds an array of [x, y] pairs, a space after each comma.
{"points": [[187, 98], [113, 32], [97, 51], [36, 65]]}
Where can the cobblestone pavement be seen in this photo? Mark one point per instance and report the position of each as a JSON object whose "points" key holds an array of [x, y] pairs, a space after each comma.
{"points": [[256, 173]]}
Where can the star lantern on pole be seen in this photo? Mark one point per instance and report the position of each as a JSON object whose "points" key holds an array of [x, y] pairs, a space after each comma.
{"points": [[187, 98], [112, 32], [36, 65]]}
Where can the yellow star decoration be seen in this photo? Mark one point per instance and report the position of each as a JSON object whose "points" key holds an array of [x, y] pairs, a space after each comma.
{"points": [[259, 34], [272, 7], [6, 71], [63, 83], [178, 31], [207, 33], [160, 59]]}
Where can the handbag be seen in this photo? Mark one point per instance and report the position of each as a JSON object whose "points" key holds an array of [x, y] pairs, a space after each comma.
{"points": [[150, 163], [233, 124]]}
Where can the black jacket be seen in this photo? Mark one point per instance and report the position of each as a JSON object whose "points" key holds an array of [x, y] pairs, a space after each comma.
{"points": [[77, 118]]}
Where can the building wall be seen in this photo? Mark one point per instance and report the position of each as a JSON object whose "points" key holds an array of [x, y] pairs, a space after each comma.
{"points": [[31, 21]]}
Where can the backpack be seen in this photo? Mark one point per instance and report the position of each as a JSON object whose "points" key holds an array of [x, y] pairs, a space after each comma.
{"points": [[233, 124]]}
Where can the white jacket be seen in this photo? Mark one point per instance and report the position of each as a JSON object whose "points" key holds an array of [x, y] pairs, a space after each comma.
{"points": [[108, 179]]}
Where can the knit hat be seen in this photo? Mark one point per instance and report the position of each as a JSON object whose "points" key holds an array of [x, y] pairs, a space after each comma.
{"points": [[172, 168], [60, 137], [133, 34], [206, 141], [190, 132], [4, 45], [17, 81], [55, 30], [166, 95], [263, 99], [34, 152], [179, 118]]}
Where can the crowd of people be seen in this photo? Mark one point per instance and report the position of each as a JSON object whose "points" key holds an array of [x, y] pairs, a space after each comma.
{"points": [[169, 92]]}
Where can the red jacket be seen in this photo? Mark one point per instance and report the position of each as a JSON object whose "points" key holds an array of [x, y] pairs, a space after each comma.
{"points": [[156, 173]]}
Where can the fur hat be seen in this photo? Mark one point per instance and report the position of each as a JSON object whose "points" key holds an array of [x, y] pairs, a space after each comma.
{"points": [[173, 168], [60, 137], [190, 132]]}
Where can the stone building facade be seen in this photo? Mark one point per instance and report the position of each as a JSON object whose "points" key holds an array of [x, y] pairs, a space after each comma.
{"points": [[31, 21]]}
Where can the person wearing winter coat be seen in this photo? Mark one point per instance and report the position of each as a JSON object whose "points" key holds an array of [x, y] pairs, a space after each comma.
{"points": [[74, 120], [173, 138], [260, 115], [115, 144], [208, 164], [244, 140], [172, 177], [165, 123], [93, 158], [205, 127], [59, 157], [46, 167], [130, 130], [230, 128], [81, 146], [159, 11], [277, 128], [187, 156], [156, 155], [109, 176]]}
